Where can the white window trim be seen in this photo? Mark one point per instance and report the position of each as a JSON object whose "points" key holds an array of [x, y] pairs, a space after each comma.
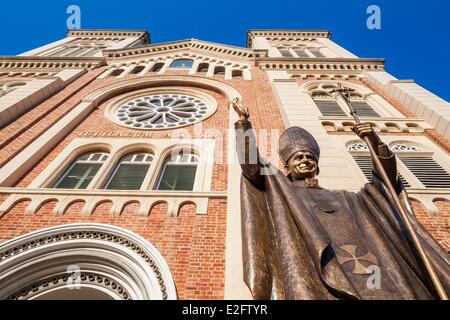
{"points": [[374, 100], [118, 147], [422, 142]]}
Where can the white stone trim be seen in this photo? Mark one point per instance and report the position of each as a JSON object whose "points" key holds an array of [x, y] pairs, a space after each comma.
{"points": [[46, 47], [117, 148], [126, 257], [34, 92]]}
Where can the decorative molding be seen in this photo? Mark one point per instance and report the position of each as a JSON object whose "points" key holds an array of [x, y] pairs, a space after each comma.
{"points": [[65, 280], [40, 260], [119, 199], [305, 35], [183, 44], [109, 33], [320, 64], [30, 64]]}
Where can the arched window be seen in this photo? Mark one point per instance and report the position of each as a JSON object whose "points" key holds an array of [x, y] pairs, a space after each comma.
{"points": [[236, 74], [157, 67], [182, 63], [219, 70], [360, 153], [316, 53], [81, 172], [203, 67], [116, 73], [285, 52], [300, 52], [424, 167], [137, 69], [178, 172], [329, 106], [130, 172]]}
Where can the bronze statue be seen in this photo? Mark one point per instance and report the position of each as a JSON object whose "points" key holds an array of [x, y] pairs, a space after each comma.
{"points": [[301, 241]]}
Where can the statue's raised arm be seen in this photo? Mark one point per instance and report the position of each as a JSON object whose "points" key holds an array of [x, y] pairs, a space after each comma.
{"points": [[247, 150], [384, 154]]}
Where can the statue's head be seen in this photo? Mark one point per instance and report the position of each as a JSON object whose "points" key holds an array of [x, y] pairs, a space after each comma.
{"points": [[300, 153]]}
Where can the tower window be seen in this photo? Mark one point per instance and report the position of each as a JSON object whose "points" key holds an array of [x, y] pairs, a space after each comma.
{"points": [[182, 63], [203, 67], [364, 110], [329, 108], [428, 171], [285, 52]]}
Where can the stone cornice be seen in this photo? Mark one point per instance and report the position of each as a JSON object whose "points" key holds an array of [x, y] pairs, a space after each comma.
{"points": [[232, 51], [320, 64], [109, 33], [56, 63], [286, 33]]}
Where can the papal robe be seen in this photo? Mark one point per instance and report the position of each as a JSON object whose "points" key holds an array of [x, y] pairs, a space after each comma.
{"points": [[301, 241]]}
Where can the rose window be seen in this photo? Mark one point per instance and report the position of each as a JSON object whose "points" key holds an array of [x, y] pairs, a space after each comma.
{"points": [[161, 111]]}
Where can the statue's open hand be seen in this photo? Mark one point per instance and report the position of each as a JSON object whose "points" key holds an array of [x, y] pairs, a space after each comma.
{"points": [[364, 130], [240, 110]]}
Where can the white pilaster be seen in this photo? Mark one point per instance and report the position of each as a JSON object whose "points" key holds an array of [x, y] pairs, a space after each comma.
{"points": [[228, 73], [166, 65], [147, 68], [194, 67], [211, 67], [126, 71]]}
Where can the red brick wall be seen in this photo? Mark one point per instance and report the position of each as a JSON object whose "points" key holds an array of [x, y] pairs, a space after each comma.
{"points": [[437, 225], [192, 245]]}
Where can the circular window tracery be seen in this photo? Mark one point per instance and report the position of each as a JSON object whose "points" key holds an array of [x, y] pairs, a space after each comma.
{"points": [[162, 111]]}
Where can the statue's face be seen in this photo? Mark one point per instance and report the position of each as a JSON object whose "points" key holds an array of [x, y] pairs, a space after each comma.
{"points": [[302, 165]]}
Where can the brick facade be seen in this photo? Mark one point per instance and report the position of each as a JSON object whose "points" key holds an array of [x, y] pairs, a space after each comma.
{"points": [[192, 244]]}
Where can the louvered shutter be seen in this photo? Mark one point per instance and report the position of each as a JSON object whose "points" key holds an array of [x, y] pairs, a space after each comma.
{"points": [[330, 108], [301, 53], [428, 171], [365, 164], [364, 110]]}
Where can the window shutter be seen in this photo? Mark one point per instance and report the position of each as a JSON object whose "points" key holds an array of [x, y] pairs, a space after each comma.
{"points": [[78, 176], [329, 108], [365, 164], [428, 171], [285, 53], [128, 176], [178, 177], [317, 53], [364, 110], [301, 53]]}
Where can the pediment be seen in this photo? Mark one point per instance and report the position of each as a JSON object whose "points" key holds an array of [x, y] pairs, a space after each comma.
{"points": [[185, 48]]}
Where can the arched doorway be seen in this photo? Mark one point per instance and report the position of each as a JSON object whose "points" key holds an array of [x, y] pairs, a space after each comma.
{"points": [[83, 261]]}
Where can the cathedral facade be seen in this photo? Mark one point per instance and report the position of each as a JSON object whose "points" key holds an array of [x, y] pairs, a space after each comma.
{"points": [[118, 171]]}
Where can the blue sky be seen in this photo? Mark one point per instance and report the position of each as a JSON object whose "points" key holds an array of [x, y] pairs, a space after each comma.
{"points": [[414, 36]]}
